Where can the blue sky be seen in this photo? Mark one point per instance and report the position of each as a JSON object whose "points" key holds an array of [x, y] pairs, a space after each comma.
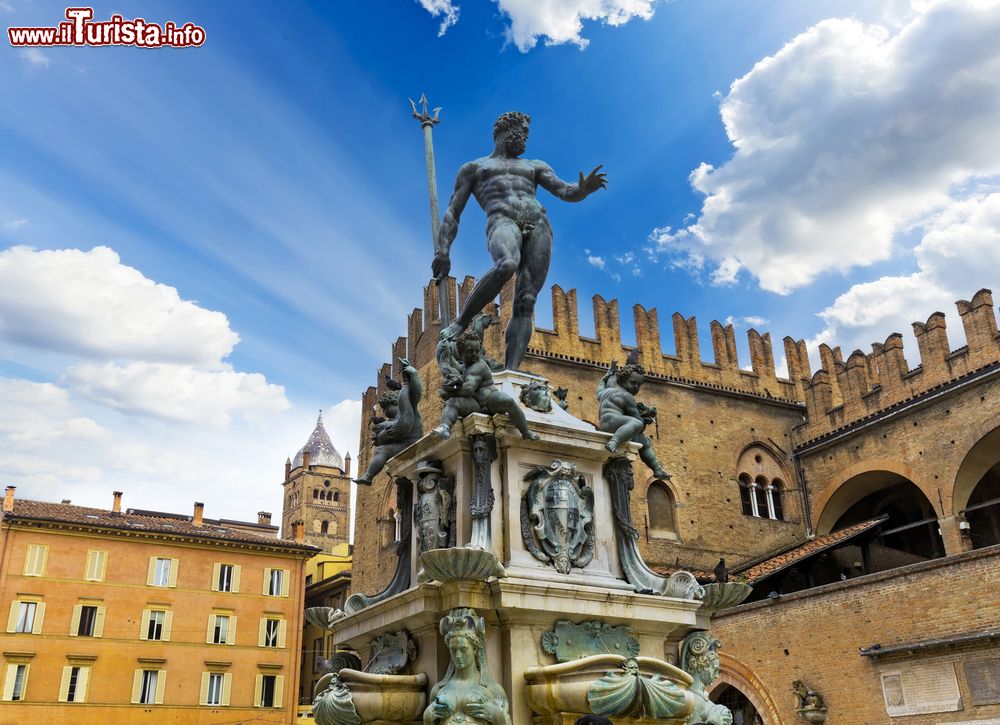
{"points": [[269, 185]]}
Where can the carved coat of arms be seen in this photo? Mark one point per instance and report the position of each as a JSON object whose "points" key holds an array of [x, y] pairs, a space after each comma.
{"points": [[557, 517]]}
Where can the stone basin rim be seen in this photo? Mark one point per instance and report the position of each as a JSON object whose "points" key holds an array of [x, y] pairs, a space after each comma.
{"points": [[535, 675]]}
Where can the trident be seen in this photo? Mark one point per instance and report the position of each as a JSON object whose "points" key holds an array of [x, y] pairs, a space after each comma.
{"points": [[427, 123]]}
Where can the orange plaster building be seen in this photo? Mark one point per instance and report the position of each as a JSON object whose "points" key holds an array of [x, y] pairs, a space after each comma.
{"points": [[147, 617]]}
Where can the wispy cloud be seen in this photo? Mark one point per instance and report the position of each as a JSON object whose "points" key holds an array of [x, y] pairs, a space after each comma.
{"points": [[14, 224], [35, 58], [447, 9]]}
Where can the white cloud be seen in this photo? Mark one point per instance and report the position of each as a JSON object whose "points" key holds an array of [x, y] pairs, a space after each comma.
{"points": [[445, 8], [14, 224], [849, 135], [35, 58], [555, 21], [51, 449], [90, 304], [598, 262], [748, 321], [177, 392], [959, 253]]}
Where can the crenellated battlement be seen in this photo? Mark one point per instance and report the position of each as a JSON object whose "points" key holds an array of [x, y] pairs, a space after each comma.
{"points": [[842, 393]]}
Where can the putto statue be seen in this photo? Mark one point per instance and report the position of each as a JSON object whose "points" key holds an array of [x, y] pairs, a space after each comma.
{"points": [[401, 427], [625, 417], [700, 659], [470, 388], [519, 237], [468, 693]]}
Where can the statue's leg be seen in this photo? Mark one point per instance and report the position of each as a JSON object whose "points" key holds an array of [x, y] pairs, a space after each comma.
{"points": [[502, 403], [535, 255], [648, 456], [448, 417], [377, 463], [504, 243], [625, 428]]}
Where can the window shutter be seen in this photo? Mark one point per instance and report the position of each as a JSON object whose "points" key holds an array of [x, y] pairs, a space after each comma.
{"points": [[267, 581], [95, 565], [227, 686], [136, 686], [161, 685], [102, 559], [236, 578], [152, 571], [82, 681], [282, 632], [231, 632], [216, 570], [284, 582], [41, 572], [74, 624], [64, 684], [203, 697], [15, 610], [168, 622], [211, 626], [36, 626], [144, 624], [8, 683], [34, 562], [261, 632], [99, 622], [173, 572], [258, 687], [279, 690]]}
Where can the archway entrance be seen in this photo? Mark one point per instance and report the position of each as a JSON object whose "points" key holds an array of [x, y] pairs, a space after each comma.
{"points": [[744, 713], [910, 534], [979, 480]]}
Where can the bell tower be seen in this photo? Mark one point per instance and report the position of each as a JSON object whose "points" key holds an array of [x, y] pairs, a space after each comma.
{"points": [[317, 490]]}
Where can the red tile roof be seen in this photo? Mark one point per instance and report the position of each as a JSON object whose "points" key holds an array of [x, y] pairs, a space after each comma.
{"points": [[774, 564], [28, 510]]}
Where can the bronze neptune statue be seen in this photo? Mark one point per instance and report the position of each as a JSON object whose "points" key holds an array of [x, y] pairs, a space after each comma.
{"points": [[519, 237]]}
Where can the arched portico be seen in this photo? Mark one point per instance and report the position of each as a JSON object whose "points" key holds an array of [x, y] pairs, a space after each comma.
{"points": [[734, 674], [976, 493]]}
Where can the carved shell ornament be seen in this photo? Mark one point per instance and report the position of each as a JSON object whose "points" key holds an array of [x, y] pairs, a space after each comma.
{"points": [[628, 693]]}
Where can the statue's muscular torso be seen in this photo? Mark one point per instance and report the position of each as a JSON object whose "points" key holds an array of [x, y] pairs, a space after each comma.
{"points": [[506, 187]]}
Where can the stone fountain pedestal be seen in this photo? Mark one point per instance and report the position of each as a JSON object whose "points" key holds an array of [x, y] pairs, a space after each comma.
{"points": [[538, 549]]}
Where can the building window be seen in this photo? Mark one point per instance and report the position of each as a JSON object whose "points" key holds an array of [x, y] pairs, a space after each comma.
{"points": [[148, 687], [324, 528], [87, 621], [660, 505], [268, 690], [215, 688], [226, 578], [276, 582], [272, 633], [774, 493], [221, 629], [96, 564], [34, 561], [162, 572], [315, 494], [73, 687], [760, 497], [25, 617], [155, 625], [746, 495], [15, 684], [336, 496]]}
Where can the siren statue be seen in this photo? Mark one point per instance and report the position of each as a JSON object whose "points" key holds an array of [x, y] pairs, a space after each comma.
{"points": [[468, 693], [519, 237]]}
